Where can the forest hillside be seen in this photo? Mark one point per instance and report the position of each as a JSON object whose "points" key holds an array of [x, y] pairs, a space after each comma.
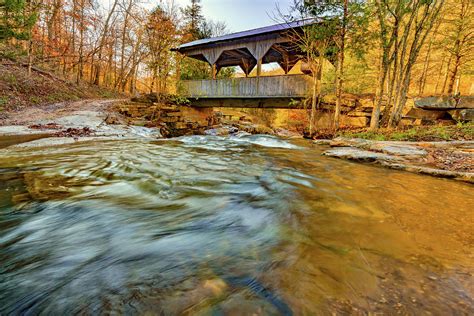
{"points": [[20, 89], [395, 50]]}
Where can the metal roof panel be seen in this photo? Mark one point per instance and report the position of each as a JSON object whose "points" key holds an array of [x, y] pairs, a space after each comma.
{"points": [[248, 33]]}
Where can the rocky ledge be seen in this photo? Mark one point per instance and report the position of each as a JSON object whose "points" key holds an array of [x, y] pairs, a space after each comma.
{"points": [[454, 160]]}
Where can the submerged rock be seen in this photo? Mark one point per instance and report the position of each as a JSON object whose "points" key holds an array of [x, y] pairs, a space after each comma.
{"points": [[257, 129], [286, 133], [221, 131], [399, 150], [388, 147], [359, 155]]}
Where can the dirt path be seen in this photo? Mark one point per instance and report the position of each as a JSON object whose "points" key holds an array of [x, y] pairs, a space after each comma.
{"points": [[37, 114], [67, 122]]}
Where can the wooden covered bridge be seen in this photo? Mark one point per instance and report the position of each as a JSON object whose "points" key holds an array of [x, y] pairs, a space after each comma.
{"points": [[247, 50]]}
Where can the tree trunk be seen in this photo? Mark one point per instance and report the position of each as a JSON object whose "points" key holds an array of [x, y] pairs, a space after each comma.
{"points": [[102, 44], [395, 115], [421, 88], [340, 69], [30, 55], [122, 52], [454, 71], [438, 79], [446, 74], [80, 72], [374, 121], [313, 105]]}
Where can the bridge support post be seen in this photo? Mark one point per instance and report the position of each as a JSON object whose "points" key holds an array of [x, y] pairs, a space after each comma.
{"points": [[259, 71], [214, 71]]}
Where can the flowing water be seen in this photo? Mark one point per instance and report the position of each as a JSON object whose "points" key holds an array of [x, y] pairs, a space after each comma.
{"points": [[233, 226]]}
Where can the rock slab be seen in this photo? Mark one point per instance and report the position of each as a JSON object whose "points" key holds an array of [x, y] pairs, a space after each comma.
{"points": [[441, 159]]}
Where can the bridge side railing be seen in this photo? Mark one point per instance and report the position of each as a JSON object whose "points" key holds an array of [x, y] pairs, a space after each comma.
{"points": [[252, 87]]}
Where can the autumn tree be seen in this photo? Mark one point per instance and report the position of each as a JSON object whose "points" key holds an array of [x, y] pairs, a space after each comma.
{"points": [[104, 38], [316, 41], [350, 21], [403, 26], [458, 38], [160, 38]]}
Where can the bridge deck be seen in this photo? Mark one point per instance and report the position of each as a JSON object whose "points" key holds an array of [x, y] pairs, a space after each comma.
{"points": [[289, 86]]}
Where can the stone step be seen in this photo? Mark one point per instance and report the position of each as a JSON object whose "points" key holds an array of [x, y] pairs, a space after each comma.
{"points": [[172, 114], [169, 119], [358, 114], [181, 125]]}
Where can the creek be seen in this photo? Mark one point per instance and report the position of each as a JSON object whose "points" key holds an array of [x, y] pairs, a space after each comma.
{"points": [[227, 225]]}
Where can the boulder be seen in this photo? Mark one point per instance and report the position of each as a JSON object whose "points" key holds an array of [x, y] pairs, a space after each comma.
{"points": [[436, 103], [366, 103], [181, 125], [171, 119], [286, 133], [221, 131], [115, 119], [359, 114], [257, 129], [175, 114], [425, 114], [361, 121], [407, 121], [463, 115], [466, 102]]}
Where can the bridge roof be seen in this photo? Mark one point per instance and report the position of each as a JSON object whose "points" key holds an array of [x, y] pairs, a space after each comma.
{"points": [[248, 35], [247, 49]]}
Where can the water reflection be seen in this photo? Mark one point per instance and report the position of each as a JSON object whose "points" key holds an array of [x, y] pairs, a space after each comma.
{"points": [[239, 225]]}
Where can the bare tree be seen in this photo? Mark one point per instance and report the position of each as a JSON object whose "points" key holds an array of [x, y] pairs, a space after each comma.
{"points": [[403, 28], [459, 37]]}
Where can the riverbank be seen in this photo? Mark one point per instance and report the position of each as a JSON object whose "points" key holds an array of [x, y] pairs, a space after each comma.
{"points": [[441, 151], [67, 122], [430, 133], [449, 159]]}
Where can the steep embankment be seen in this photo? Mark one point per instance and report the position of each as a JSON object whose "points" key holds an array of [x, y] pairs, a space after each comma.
{"points": [[18, 89]]}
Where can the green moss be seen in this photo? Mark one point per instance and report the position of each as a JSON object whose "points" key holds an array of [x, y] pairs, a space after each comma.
{"points": [[10, 79], [421, 133], [107, 94], [3, 101], [35, 100], [364, 135]]}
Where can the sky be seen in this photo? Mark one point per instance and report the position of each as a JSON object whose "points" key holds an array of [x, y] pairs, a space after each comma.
{"points": [[241, 15]]}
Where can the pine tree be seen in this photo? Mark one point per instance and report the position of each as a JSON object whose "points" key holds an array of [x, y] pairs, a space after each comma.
{"points": [[17, 18], [194, 20]]}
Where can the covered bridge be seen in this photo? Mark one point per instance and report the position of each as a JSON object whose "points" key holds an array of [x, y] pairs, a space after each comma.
{"points": [[249, 50]]}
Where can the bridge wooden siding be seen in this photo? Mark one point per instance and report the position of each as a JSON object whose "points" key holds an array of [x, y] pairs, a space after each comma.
{"points": [[290, 86]]}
